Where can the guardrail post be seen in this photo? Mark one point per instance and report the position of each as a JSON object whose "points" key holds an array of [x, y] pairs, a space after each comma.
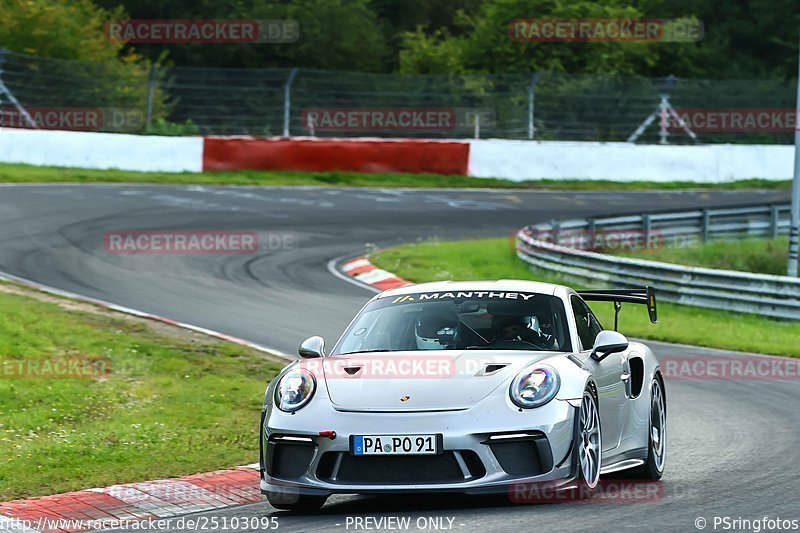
{"points": [[556, 230], [774, 221], [592, 229], [647, 225], [706, 224]]}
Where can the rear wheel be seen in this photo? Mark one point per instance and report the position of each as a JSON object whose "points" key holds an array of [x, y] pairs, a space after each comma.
{"points": [[653, 468], [295, 502], [590, 441]]}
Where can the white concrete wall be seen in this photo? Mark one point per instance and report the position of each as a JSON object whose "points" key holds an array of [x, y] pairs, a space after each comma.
{"points": [[516, 160], [101, 150], [522, 160]]}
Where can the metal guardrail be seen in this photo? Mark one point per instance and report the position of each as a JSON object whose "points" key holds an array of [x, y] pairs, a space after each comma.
{"points": [[565, 247]]}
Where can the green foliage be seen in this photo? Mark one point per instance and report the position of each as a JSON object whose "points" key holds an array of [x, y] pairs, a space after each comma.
{"points": [[487, 46], [163, 127], [766, 256], [63, 29], [743, 38], [170, 405], [30, 174], [334, 34], [89, 70]]}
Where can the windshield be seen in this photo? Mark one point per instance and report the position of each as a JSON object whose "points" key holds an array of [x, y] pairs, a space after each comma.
{"points": [[459, 321]]}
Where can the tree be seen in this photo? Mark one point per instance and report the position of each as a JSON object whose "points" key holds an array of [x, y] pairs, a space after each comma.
{"points": [[90, 70], [334, 34], [63, 29], [487, 46]]}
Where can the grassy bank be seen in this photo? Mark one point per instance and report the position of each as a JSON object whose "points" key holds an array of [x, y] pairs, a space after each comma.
{"points": [[28, 173], [167, 402], [767, 256], [495, 259]]}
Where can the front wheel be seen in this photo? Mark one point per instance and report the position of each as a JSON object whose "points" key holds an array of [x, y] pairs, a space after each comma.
{"points": [[295, 502], [590, 441], [653, 468]]}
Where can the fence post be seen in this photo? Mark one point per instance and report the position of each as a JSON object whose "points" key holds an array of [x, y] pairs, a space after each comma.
{"points": [[477, 125], [151, 79], [794, 216], [705, 229], [2, 60], [531, 95], [646, 227], [287, 105]]}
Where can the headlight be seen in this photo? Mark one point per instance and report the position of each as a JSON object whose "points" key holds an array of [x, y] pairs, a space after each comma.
{"points": [[294, 390], [535, 386]]}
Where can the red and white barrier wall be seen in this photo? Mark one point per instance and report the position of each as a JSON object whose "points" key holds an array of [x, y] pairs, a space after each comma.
{"points": [[514, 160]]}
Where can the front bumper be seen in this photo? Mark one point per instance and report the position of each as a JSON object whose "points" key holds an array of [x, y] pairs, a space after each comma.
{"points": [[487, 448]]}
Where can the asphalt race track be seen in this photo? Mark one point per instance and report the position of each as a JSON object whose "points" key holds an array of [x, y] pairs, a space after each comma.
{"points": [[732, 445]]}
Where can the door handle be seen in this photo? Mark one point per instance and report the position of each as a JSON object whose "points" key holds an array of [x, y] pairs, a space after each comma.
{"points": [[625, 376]]}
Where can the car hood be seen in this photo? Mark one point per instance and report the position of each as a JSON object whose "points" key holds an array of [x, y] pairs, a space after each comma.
{"points": [[421, 381]]}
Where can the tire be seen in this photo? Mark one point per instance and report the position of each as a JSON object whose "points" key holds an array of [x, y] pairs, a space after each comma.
{"points": [[589, 443], [295, 502], [653, 468]]}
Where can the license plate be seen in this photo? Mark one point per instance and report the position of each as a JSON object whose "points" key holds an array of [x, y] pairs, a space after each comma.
{"points": [[395, 445]]}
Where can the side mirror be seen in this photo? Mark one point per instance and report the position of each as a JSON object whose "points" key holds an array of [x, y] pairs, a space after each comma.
{"points": [[608, 342], [312, 348]]}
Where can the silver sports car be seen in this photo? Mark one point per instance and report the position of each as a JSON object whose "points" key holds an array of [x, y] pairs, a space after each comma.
{"points": [[468, 387]]}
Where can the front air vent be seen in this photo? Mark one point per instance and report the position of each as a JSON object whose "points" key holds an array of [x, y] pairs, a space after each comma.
{"points": [[522, 454], [288, 456], [491, 368], [352, 370]]}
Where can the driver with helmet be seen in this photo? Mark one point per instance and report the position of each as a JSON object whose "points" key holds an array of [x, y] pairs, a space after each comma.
{"points": [[435, 332]]}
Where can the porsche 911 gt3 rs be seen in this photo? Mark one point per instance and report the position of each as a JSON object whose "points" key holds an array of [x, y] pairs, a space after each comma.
{"points": [[466, 387]]}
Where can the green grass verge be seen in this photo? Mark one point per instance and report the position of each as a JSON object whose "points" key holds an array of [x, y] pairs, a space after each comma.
{"points": [[767, 256], [172, 405], [489, 259], [28, 173]]}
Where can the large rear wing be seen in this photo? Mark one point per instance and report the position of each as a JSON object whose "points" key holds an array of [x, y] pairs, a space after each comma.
{"points": [[645, 296]]}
